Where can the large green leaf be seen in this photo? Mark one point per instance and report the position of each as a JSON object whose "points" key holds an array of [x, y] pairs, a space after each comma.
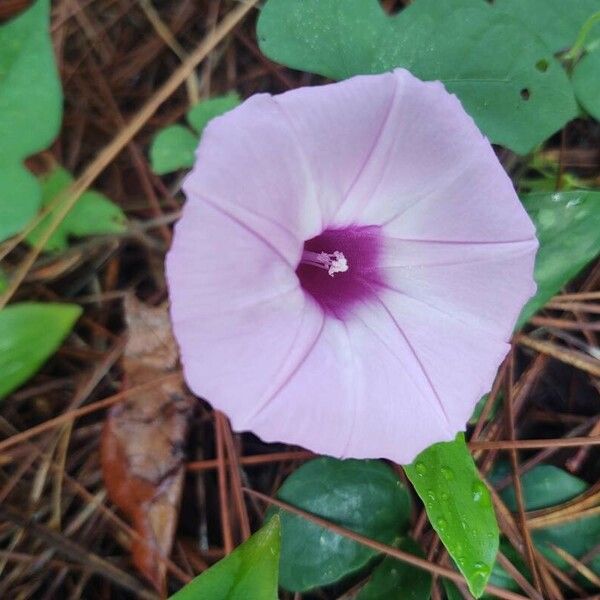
{"points": [[93, 214], [556, 22], [30, 111], [363, 495], [577, 537], [174, 147], [29, 334], [505, 76], [568, 228], [248, 573], [459, 508], [395, 580], [586, 81], [543, 486]]}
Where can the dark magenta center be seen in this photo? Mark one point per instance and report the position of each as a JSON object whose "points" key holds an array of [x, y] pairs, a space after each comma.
{"points": [[338, 294]]}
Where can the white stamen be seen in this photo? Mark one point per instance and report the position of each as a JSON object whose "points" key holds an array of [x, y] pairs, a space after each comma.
{"points": [[333, 263]]}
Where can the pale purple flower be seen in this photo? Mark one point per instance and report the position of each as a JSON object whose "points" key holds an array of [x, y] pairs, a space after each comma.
{"points": [[349, 266]]}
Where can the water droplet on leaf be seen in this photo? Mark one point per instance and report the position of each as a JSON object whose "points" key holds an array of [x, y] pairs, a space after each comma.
{"points": [[448, 473]]}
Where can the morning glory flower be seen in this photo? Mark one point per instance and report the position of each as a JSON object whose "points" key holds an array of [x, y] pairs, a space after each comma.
{"points": [[349, 266]]}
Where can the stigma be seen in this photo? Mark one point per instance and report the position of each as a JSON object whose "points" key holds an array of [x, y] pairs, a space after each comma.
{"points": [[332, 263]]}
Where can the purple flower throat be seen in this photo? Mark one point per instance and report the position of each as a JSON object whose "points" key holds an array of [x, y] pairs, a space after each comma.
{"points": [[339, 268]]}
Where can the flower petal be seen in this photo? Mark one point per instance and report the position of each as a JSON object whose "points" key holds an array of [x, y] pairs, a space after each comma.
{"points": [[250, 165], [427, 144], [482, 284], [237, 309], [338, 126], [460, 362], [309, 403]]}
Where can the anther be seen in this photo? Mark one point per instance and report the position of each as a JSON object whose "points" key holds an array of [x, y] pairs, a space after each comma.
{"points": [[333, 263]]}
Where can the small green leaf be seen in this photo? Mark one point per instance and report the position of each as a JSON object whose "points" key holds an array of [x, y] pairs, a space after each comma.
{"points": [[396, 580], [459, 508], [586, 81], [173, 149], [363, 495], [198, 116], [93, 214], [30, 111], [556, 22], [543, 486], [248, 573], [568, 228], [488, 59], [29, 334]]}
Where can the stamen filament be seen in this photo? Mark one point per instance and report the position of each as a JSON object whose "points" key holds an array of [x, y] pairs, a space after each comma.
{"points": [[332, 263]]}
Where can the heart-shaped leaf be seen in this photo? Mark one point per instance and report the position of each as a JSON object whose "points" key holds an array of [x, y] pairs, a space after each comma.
{"points": [[30, 332], [586, 81], [249, 572], [30, 111], [488, 59], [459, 508], [363, 495], [568, 228], [556, 22]]}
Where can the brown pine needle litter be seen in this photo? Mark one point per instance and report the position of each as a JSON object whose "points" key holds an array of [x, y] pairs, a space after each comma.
{"points": [[130, 68]]}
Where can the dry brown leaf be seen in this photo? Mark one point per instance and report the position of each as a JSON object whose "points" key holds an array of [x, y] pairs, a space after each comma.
{"points": [[143, 441]]}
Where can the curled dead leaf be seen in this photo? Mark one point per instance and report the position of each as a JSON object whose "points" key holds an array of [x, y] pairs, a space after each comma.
{"points": [[143, 441]]}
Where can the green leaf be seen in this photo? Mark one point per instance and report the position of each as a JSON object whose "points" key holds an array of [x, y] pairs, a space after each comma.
{"points": [[586, 82], [546, 486], [488, 59], [198, 116], [93, 214], [568, 228], [20, 198], [577, 537], [556, 22], [459, 508], [30, 333], [249, 572], [395, 580], [30, 111], [3, 282], [363, 495], [174, 147], [500, 576], [451, 590], [543, 486]]}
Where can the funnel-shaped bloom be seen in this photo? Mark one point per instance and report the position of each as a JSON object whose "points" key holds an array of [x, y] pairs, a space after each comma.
{"points": [[349, 266]]}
